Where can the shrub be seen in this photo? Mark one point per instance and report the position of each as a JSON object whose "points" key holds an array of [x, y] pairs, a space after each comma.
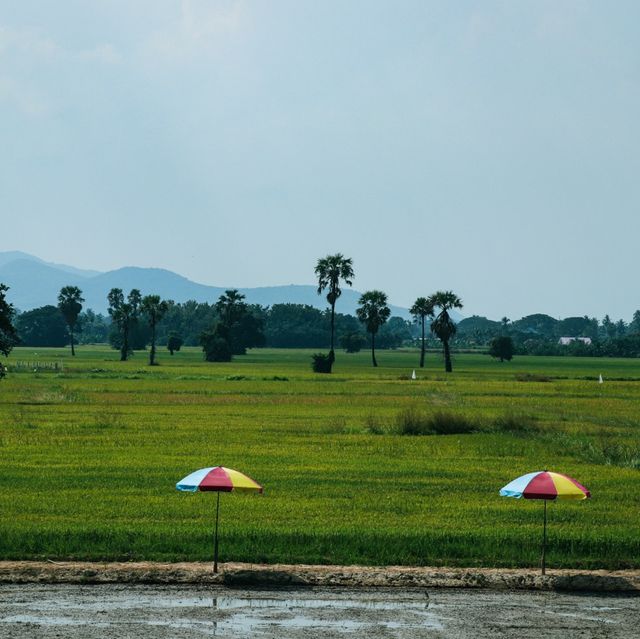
{"points": [[446, 423], [413, 421], [321, 363], [532, 377], [515, 423], [215, 347], [174, 342]]}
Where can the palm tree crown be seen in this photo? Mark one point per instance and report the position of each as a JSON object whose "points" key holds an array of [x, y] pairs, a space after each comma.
{"points": [[329, 271], [373, 312]]}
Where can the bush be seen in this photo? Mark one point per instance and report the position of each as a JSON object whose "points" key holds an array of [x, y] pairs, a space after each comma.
{"points": [[174, 342], [413, 421], [321, 363], [515, 423], [532, 377], [216, 348], [502, 348]]}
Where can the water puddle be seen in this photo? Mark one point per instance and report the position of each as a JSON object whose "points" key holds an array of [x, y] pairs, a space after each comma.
{"points": [[172, 612], [228, 613]]}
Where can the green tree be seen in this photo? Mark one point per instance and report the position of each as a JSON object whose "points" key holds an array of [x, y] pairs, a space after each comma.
{"points": [[443, 327], [230, 307], [124, 315], [43, 326], [609, 327], [241, 327], [421, 309], [215, 344], [373, 312], [70, 304], [353, 342], [8, 334], [634, 326], [174, 342], [153, 308], [502, 348], [330, 271], [93, 328]]}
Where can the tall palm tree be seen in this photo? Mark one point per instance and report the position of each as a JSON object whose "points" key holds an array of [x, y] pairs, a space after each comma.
{"points": [[124, 315], [373, 312], [330, 271], [421, 309], [443, 326], [153, 308], [70, 304]]}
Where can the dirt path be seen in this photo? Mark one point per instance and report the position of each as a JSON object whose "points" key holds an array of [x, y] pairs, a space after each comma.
{"points": [[106, 611], [236, 574]]}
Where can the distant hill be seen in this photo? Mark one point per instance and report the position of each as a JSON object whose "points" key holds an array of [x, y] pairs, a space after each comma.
{"points": [[35, 283]]}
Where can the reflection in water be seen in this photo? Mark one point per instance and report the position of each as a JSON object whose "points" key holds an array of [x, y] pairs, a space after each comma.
{"points": [[338, 611]]}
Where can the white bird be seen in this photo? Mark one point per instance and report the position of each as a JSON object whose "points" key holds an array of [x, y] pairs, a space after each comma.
{"points": [[413, 375], [600, 380]]}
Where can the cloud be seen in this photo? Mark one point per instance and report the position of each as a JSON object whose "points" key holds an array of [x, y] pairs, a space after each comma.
{"points": [[202, 29]]}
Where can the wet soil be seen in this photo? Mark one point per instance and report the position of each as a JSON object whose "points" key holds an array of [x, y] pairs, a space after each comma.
{"points": [[179, 612]]}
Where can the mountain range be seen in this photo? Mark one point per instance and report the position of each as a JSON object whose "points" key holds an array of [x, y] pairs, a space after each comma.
{"points": [[34, 282]]}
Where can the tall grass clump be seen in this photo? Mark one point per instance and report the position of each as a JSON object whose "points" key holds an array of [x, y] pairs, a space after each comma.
{"points": [[413, 421], [512, 422]]}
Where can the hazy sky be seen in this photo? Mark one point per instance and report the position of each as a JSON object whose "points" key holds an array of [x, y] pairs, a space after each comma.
{"points": [[491, 148]]}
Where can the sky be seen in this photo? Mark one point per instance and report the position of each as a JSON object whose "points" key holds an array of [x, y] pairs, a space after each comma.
{"points": [[489, 148]]}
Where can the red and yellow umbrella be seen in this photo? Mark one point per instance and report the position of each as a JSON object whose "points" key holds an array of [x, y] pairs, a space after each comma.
{"points": [[545, 485], [220, 480]]}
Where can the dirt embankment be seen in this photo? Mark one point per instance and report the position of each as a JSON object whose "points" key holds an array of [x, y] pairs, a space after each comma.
{"points": [[280, 575]]}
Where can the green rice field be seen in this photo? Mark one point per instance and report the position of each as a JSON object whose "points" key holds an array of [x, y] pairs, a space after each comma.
{"points": [[91, 449]]}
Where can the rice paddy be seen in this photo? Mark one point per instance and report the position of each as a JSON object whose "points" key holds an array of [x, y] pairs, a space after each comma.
{"points": [[364, 466]]}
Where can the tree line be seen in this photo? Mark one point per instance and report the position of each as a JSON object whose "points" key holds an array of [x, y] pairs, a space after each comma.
{"points": [[230, 326]]}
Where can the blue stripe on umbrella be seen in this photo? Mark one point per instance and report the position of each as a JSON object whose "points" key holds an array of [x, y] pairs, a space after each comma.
{"points": [[517, 486], [191, 482]]}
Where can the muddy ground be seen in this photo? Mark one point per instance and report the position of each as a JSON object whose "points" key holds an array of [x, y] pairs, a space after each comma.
{"points": [[105, 611]]}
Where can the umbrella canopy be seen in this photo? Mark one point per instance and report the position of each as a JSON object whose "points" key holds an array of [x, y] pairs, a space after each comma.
{"points": [[544, 484], [218, 479]]}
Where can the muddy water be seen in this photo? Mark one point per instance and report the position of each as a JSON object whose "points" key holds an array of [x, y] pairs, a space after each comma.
{"points": [[144, 612]]}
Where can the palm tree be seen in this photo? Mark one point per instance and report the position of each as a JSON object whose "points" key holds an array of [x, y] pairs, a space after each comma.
{"points": [[154, 308], [373, 312], [443, 326], [230, 307], [124, 315], [421, 309], [70, 304], [329, 271]]}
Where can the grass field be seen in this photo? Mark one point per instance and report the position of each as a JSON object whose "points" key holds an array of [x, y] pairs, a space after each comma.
{"points": [[91, 449]]}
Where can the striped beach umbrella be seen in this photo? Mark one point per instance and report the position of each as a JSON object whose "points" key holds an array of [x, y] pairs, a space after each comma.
{"points": [[220, 480], [545, 485]]}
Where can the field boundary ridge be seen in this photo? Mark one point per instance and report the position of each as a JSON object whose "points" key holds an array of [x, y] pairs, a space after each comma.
{"points": [[302, 575]]}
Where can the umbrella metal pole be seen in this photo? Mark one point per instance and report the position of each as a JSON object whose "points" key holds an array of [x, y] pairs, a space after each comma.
{"points": [[544, 537], [215, 546]]}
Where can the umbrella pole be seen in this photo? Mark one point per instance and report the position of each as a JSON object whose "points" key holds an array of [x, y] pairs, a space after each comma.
{"points": [[215, 546], [544, 537]]}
